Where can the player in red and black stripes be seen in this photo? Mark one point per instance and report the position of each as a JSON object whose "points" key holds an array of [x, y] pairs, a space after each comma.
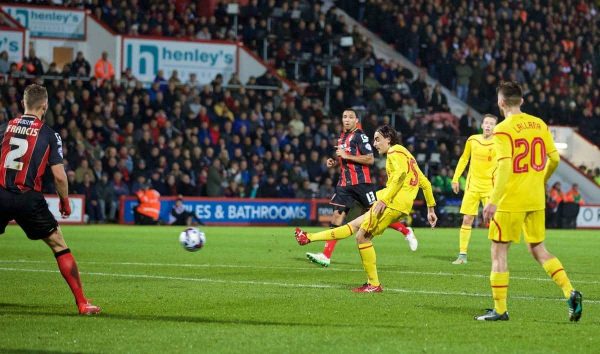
{"points": [[27, 147], [354, 156]]}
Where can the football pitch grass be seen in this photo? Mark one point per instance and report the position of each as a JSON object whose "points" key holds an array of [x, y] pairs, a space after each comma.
{"points": [[252, 290]]}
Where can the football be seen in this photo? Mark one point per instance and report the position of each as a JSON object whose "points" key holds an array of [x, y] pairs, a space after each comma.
{"points": [[192, 239]]}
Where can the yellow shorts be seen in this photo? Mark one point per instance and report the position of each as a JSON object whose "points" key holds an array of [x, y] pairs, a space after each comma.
{"points": [[376, 224], [507, 226], [471, 200]]}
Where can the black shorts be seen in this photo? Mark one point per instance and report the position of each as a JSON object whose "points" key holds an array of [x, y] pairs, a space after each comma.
{"points": [[30, 211], [344, 197]]}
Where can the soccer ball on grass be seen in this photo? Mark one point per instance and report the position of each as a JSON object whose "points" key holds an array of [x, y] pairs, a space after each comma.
{"points": [[192, 239]]}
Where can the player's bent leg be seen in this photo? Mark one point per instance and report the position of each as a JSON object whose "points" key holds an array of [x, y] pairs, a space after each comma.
{"points": [[324, 258], [319, 258], [535, 232], [68, 269], [409, 234], [369, 261], [557, 273], [465, 237]]}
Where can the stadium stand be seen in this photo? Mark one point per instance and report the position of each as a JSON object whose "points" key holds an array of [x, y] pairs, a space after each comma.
{"points": [[226, 139], [470, 46]]}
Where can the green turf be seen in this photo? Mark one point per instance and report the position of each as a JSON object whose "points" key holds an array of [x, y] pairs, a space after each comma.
{"points": [[252, 290]]}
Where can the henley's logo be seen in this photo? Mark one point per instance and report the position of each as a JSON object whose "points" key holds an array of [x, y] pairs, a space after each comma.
{"points": [[146, 59]]}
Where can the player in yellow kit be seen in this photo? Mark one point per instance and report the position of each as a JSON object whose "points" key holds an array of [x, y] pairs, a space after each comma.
{"points": [[479, 153], [394, 201], [526, 158]]}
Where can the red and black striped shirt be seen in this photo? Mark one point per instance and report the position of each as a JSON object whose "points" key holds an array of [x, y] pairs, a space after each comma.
{"points": [[27, 147], [354, 143]]}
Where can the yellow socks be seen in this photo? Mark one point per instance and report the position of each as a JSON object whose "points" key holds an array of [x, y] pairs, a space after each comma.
{"points": [[332, 234], [499, 282], [369, 261], [465, 236], [555, 270]]}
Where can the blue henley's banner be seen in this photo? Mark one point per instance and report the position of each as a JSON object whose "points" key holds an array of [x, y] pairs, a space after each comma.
{"points": [[48, 22], [12, 41], [232, 211], [145, 56]]}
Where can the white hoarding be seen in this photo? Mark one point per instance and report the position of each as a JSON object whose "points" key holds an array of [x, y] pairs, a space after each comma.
{"points": [[12, 41], [77, 209], [589, 216], [49, 22], [145, 56]]}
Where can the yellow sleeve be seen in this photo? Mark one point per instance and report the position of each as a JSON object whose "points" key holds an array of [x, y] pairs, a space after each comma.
{"points": [[553, 156], [398, 169], [425, 185], [462, 162], [503, 145]]}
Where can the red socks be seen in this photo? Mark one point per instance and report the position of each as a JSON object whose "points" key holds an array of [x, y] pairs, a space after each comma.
{"points": [[69, 271], [398, 226], [329, 247]]}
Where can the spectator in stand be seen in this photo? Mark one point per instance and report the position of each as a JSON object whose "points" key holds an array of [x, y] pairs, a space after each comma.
{"points": [[92, 206], [118, 185], [33, 64], [442, 183], [4, 63], [80, 66], [573, 195], [82, 170], [103, 69], [215, 179], [553, 205], [107, 200], [181, 216]]}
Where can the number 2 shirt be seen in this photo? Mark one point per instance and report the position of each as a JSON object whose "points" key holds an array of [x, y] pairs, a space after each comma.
{"points": [[27, 147]]}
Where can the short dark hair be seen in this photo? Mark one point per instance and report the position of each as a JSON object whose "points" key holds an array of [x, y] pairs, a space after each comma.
{"points": [[488, 115], [353, 111], [35, 96], [389, 133], [511, 92]]}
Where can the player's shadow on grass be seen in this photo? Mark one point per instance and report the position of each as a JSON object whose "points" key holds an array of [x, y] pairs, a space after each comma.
{"points": [[449, 258], [7, 350], [454, 310], [317, 266], [199, 319]]}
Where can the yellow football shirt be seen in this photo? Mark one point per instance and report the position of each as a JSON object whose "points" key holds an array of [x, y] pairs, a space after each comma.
{"points": [[479, 153], [526, 141], [404, 180]]}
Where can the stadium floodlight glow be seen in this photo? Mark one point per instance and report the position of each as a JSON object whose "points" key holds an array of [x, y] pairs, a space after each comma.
{"points": [[233, 9]]}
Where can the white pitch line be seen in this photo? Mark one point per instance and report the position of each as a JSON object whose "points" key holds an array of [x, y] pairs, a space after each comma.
{"points": [[441, 274], [287, 285]]}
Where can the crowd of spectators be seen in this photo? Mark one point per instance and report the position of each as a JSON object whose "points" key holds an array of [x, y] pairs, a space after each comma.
{"points": [[212, 141], [551, 48], [297, 38], [562, 206], [221, 140]]}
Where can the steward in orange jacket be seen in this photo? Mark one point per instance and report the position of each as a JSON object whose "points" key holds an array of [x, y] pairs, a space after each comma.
{"points": [[148, 210]]}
